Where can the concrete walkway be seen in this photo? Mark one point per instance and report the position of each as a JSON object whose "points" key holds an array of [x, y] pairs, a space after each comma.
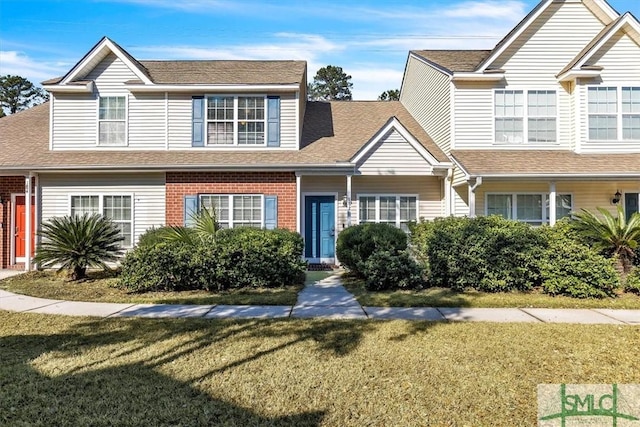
{"points": [[324, 299]]}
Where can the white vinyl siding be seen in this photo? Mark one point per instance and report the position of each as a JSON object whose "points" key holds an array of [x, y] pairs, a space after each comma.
{"points": [[75, 124], [426, 94], [393, 155], [147, 121], [146, 190]]}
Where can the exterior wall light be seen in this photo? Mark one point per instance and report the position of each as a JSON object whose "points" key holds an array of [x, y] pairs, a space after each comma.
{"points": [[616, 198]]}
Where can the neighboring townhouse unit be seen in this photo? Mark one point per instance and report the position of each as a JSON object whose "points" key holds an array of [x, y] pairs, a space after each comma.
{"points": [[549, 117], [148, 143]]}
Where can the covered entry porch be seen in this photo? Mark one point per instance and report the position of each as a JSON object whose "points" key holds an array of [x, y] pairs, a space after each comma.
{"points": [[16, 248]]}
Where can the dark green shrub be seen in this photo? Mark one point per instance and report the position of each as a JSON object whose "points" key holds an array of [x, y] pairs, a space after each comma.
{"points": [[251, 257], [569, 267], [165, 266], [632, 283], [357, 243], [74, 243], [386, 271], [152, 236], [489, 254]]}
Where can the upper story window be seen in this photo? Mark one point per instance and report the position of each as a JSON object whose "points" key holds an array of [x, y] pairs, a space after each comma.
{"points": [[112, 120], [614, 113], [536, 119], [236, 120]]}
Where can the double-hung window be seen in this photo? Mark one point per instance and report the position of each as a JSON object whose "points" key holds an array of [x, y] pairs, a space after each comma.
{"points": [[236, 120], [532, 208], [112, 128], [117, 208], [395, 210], [518, 122], [614, 113], [235, 210]]}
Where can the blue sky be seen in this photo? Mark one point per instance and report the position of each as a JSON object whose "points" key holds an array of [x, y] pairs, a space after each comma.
{"points": [[40, 39]]}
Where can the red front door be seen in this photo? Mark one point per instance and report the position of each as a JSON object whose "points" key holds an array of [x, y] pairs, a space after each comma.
{"points": [[20, 229]]}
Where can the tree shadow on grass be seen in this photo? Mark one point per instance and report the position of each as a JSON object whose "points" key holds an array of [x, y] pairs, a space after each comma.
{"points": [[106, 392]]}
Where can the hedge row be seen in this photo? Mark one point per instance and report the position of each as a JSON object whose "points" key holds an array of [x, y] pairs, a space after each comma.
{"points": [[489, 254], [239, 258]]}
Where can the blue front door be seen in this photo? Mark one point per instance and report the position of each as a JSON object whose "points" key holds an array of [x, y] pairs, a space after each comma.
{"points": [[319, 230]]}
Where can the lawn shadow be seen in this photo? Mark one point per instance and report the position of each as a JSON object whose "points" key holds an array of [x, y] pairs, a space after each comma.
{"points": [[104, 392]]}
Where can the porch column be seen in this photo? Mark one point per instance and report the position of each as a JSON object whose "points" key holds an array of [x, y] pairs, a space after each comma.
{"points": [[552, 203], [448, 189], [36, 222], [472, 195], [298, 202], [348, 200], [28, 226]]}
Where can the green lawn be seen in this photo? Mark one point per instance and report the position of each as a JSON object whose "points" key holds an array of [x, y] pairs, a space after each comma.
{"points": [[81, 371], [442, 297], [101, 289]]}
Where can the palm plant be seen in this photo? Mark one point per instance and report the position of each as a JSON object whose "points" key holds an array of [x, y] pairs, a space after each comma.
{"points": [[616, 236], [205, 226], [75, 243]]}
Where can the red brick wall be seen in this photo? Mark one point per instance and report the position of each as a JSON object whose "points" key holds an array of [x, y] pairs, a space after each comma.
{"points": [[8, 185], [281, 184]]}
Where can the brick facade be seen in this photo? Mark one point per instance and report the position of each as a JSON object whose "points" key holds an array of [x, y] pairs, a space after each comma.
{"points": [[8, 185], [281, 184]]}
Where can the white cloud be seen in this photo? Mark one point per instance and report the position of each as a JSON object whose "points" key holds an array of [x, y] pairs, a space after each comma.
{"points": [[491, 9], [369, 82], [18, 63]]}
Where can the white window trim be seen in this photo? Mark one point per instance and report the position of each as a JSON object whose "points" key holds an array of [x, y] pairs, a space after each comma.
{"points": [[126, 119], [619, 113], [377, 196], [230, 209], [525, 117], [514, 203], [101, 209], [235, 119]]}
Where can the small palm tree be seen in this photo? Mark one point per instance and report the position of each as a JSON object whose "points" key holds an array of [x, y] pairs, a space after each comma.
{"points": [[75, 243], [615, 235], [205, 226]]}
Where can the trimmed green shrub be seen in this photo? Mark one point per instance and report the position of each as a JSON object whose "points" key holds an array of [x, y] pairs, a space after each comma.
{"points": [[153, 236], [359, 242], [252, 257], [569, 267], [164, 266], [632, 283], [386, 271], [488, 254]]}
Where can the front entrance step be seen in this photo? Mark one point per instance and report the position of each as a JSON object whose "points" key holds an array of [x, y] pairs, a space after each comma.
{"points": [[321, 267]]}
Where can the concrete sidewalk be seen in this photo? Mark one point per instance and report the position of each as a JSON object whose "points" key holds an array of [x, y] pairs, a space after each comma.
{"points": [[324, 299]]}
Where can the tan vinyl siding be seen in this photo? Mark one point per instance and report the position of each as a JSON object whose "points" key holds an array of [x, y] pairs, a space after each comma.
{"points": [[147, 191], [586, 194], [147, 120], [110, 75], [75, 124], [620, 57], [428, 189], [461, 200], [180, 111], [393, 155], [426, 95]]}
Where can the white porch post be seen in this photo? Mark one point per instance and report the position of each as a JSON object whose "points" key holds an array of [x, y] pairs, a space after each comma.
{"points": [[298, 202], [448, 189], [28, 226], [552, 203], [472, 196], [348, 200]]}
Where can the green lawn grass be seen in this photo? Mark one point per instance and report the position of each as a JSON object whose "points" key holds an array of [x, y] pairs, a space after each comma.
{"points": [[102, 289], [175, 372], [442, 297]]}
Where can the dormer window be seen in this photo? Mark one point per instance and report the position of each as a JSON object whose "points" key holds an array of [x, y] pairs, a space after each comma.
{"points": [[236, 120], [112, 115]]}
